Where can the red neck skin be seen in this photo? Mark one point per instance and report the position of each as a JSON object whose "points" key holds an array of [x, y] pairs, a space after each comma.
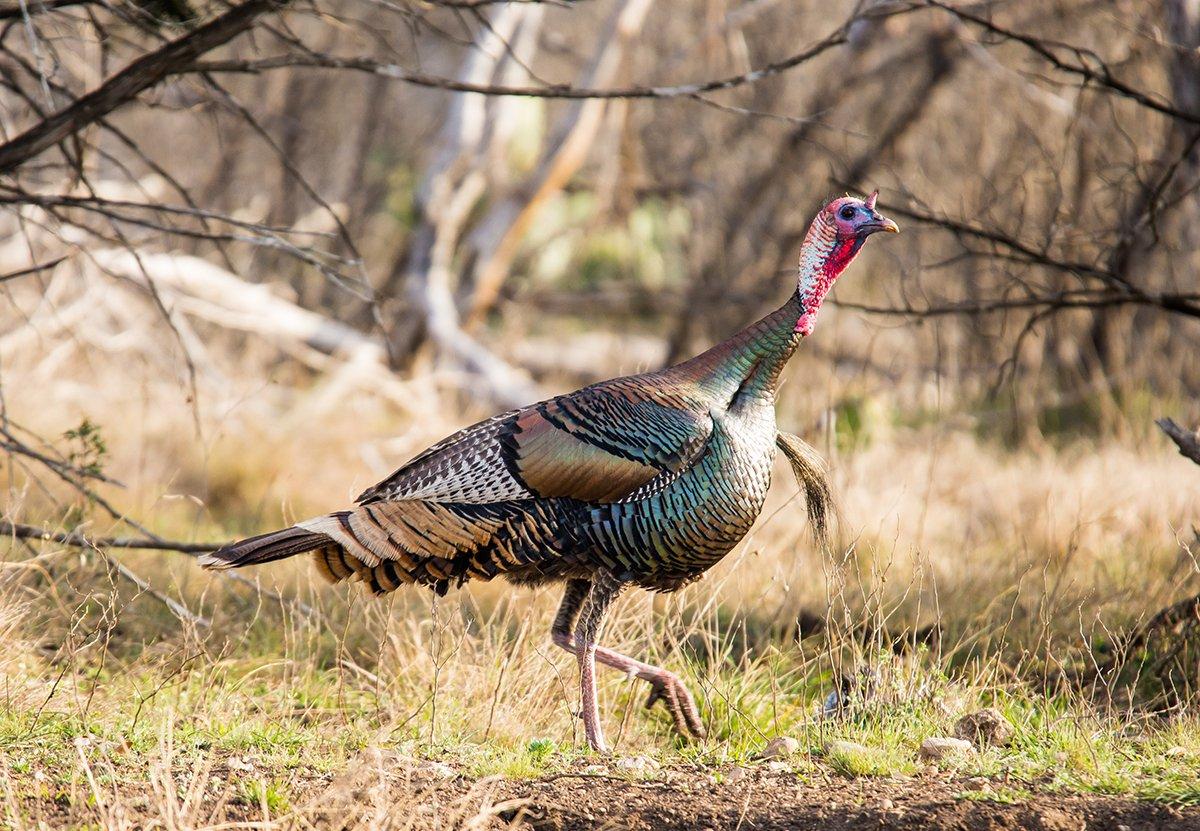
{"points": [[823, 257]]}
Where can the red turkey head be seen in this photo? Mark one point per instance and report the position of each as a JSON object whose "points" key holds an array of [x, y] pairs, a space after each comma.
{"points": [[836, 235]]}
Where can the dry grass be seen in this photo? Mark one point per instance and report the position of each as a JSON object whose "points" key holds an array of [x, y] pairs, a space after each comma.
{"points": [[116, 714]]}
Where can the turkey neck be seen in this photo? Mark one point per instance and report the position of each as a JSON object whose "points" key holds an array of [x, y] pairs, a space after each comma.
{"points": [[745, 368]]}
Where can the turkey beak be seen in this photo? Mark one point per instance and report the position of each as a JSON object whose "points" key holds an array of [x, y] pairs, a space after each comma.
{"points": [[879, 222]]}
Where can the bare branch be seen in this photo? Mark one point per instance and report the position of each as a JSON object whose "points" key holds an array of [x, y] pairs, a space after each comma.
{"points": [[1102, 77], [150, 541], [1188, 441], [28, 532], [17, 11], [178, 609], [313, 60], [77, 540], [478, 4], [1121, 291], [62, 467], [1054, 302], [1027, 252], [129, 82]]}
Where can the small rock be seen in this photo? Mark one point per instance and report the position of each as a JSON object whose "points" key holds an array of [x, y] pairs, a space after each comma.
{"points": [[239, 764], [778, 767], [885, 805], [1175, 752], [439, 769], [976, 783], [841, 747], [942, 747], [1124, 828], [779, 747], [984, 728], [735, 774], [636, 764], [595, 769]]}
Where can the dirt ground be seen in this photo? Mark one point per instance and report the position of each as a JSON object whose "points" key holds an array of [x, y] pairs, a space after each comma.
{"points": [[384, 792], [746, 798], [781, 804]]}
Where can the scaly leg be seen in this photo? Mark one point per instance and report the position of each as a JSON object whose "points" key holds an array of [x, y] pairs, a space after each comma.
{"points": [[605, 589], [665, 686]]}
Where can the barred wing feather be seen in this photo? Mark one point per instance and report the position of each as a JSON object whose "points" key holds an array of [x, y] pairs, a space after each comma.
{"points": [[596, 445]]}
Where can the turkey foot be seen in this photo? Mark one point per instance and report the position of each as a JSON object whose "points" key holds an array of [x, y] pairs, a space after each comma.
{"points": [[667, 688]]}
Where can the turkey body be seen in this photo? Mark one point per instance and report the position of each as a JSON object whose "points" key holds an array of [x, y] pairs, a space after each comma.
{"points": [[660, 536], [653, 478]]}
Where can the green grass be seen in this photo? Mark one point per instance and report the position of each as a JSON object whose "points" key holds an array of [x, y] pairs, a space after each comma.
{"points": [[1003, 794], [269, 794], [274, 714], [867, 761]]}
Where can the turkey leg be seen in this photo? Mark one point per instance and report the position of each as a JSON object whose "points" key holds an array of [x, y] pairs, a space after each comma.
{"points": [[664, 685]]}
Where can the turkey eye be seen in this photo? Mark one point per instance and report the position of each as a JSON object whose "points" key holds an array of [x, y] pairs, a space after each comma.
{"points": [[847, 212]]}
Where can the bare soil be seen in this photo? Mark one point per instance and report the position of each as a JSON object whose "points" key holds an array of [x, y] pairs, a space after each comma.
{"points": [[777, 803], [383, 791], [759, 798]]}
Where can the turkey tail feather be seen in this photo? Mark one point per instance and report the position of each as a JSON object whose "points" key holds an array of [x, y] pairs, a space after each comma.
{"points": [[265, 548], [386, 545]]}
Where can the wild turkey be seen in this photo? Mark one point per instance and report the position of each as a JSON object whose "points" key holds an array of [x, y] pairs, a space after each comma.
{"points": [[647, 480]]}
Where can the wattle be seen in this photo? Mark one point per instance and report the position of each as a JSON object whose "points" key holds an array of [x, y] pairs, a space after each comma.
{"points": [[814, 289]]}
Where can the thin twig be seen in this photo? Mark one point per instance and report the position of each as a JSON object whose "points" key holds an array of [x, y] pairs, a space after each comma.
{"points": [[33, 269], [28, 532], [17, 11], [1045, 49], [1058, 300], [77, 540], [62, 468], [178, 609], [72, 538], [314, 60]]}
